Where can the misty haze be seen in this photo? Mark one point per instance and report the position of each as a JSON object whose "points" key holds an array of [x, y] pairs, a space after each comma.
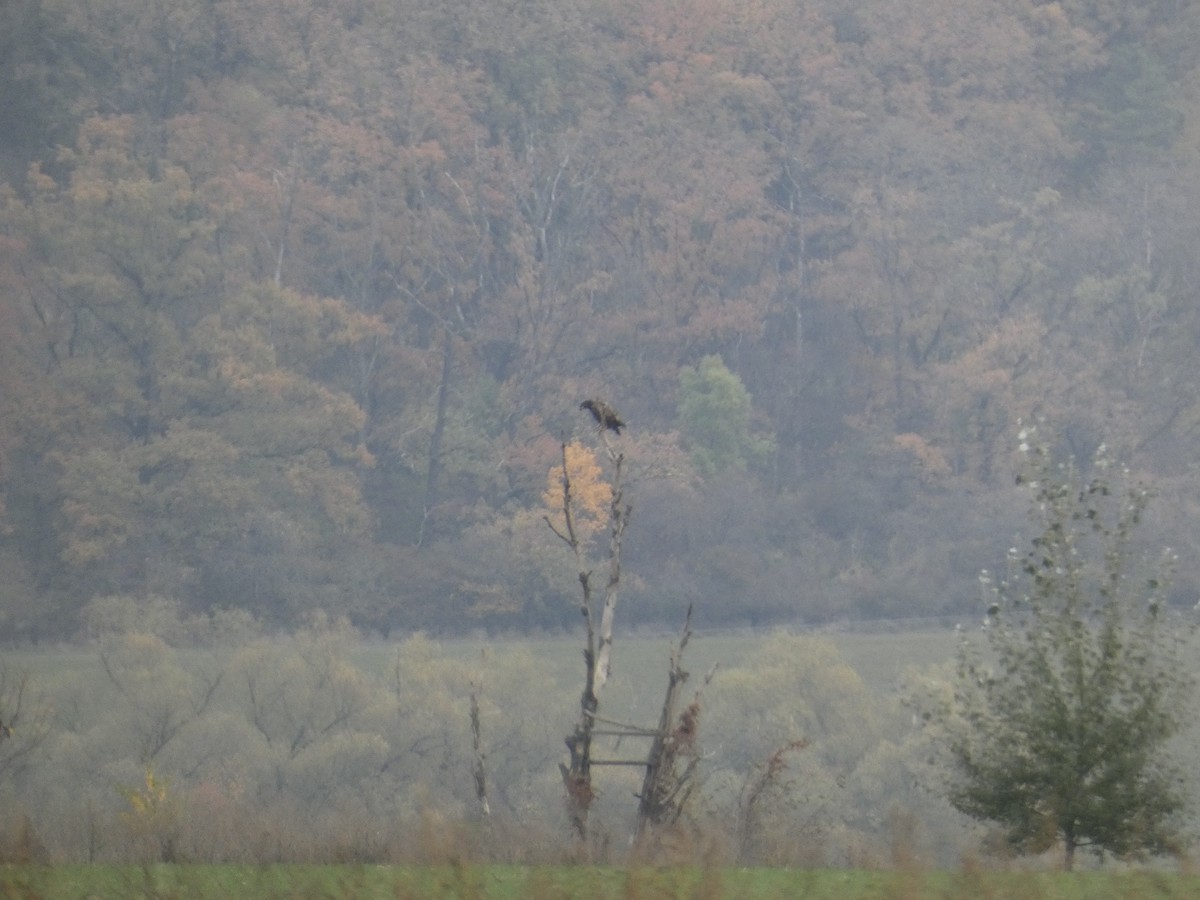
{"points": [[376, 376]]}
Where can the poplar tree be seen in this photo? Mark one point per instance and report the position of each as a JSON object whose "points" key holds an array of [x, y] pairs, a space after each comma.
{"points": [[1064, 710]]}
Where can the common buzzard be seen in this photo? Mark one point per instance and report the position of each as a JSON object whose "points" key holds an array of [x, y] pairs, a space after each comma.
{"points": [[605, 415]]}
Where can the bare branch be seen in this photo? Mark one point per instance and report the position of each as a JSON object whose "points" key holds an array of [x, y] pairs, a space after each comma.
{"points": [[666, 787], [618, 519], [479, 762]]}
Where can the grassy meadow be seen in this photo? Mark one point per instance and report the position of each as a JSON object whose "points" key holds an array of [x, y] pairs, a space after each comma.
{"points": [[878, 657], [254, 763], [498, 882], [640, 662]]}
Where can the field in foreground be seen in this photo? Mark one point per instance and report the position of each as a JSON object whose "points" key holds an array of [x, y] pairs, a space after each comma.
{"points": [[561, 882]]}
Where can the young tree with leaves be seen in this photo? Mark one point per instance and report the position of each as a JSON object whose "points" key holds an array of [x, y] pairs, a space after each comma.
{"points": [[715, 413], [1061, 715]]}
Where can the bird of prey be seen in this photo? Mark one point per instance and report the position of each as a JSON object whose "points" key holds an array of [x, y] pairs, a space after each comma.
{"points": [[605, 415]]}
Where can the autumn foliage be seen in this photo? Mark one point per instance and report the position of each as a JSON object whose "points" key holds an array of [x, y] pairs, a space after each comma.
{"points": [[591, 495], [296, 299]]}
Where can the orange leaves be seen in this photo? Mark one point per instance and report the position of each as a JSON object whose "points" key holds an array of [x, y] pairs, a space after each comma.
{"points": [[590, 493], [280, 327]]}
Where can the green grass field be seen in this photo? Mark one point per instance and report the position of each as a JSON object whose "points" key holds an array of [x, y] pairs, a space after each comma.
{"points": [[878, 658], [563, 882]]}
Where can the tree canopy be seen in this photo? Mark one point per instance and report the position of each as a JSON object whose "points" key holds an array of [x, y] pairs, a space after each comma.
{"points": [[1059, 731], [296, 301]]}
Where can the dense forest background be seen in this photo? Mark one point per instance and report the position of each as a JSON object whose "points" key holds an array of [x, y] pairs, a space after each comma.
{"points": [[298, 299]]}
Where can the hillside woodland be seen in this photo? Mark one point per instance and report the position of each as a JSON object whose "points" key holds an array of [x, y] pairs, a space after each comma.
{"points": [[298, 300]]}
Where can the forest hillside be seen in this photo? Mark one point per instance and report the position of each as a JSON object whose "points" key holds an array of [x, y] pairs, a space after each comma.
{"points": [[299, 299]]}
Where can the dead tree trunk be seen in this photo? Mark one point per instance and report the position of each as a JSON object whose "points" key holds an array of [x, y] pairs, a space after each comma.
{"points": [[768, 779], [577, 773], [479, 755], [618, 518], [666, 787]]}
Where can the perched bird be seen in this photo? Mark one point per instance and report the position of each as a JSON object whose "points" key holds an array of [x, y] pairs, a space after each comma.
{"points": [[605, 415]]}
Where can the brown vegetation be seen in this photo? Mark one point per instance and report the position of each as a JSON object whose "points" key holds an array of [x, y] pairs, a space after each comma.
{"points": [[296, 301]]}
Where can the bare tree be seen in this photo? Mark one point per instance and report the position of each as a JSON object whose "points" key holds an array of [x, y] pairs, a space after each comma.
{"points": [[673, 757], [767, 780], [478, 752], [577, 775]]}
